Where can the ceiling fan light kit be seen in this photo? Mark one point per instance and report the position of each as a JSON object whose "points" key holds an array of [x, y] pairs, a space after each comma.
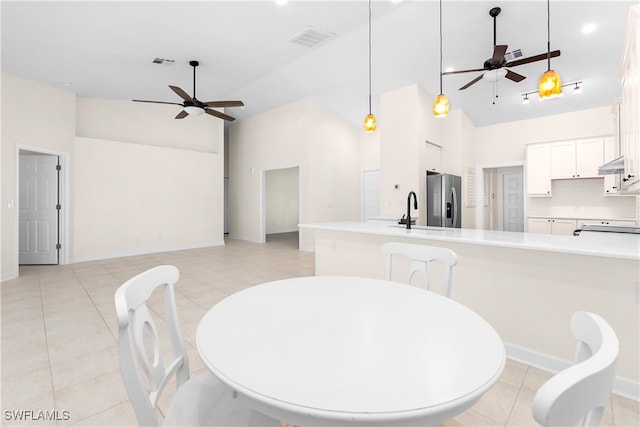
{"points": [[494, 75], [550, 84], [441, 104], [370, 122], [193, 110]]}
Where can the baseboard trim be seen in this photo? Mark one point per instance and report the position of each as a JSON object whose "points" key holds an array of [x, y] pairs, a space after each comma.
{"points": [[9, 276], [284, 230], [246, 239], [621, 386], [146, 251]]}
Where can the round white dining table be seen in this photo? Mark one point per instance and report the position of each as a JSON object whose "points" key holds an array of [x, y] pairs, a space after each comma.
{"points": [[329, 350]]}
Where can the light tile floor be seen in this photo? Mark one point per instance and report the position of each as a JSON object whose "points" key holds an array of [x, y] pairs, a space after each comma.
{"points": [[59, 348]]}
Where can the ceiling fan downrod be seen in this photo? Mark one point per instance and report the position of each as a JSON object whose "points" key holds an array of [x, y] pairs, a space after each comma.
{"points": [[494, 12], [194, 64]]}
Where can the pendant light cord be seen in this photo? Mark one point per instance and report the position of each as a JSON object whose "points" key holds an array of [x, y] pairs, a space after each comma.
{"points": [[548, 38], [369, 56], [440, 46]]}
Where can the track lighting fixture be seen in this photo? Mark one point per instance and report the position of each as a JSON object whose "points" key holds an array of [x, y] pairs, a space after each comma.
{"points": [[577, 88]]}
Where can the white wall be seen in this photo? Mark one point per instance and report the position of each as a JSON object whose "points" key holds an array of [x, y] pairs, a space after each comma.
{"points": [[145, 182], [281, 200], [149, 124], [48, 123], [134, 141], [581, 198], [507, 143], [406, 122], [303, 134], [133, 199], [398, 124]]}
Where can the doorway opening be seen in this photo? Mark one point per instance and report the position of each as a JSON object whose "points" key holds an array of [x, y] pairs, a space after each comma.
{"points": [[281, 206], [500, 199], [41, 221]]}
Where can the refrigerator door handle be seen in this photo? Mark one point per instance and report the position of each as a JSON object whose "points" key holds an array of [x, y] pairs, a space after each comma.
{"points": [[454, 199]]}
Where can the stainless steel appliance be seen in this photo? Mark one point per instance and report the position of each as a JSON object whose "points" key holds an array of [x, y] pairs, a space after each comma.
{"points": [[443, 200], [607, 229]]}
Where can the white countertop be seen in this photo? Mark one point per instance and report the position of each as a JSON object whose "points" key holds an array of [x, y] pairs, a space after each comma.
{"points": [[582, 218], [612, 245]]}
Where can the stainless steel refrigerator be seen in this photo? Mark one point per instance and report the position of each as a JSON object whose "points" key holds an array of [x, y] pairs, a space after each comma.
{"points": [[443, 200]]}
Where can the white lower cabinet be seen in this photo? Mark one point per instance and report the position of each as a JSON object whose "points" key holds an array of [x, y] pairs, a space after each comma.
{"points": [[552, 226]]}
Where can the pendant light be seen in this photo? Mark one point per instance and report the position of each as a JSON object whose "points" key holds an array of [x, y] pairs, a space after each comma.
{"points": [[550, 84], [370, 121], [441, 104]]}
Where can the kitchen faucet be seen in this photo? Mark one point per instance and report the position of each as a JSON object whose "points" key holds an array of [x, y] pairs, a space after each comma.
{"points": [[415, 206]]}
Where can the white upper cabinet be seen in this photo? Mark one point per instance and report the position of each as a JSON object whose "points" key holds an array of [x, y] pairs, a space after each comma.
{"points": [[611, 151], [539, 170], [589, 157], [576, 159], [563, 160], [630, 105]]}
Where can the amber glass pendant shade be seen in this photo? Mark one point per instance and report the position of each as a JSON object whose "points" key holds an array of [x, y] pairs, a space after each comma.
{"points": [[550, 85], [441, 106], [370, 123]]}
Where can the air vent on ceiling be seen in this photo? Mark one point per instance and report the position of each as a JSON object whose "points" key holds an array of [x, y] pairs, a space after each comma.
{"points": [[514, 54], [311, 36], [164, 61]]}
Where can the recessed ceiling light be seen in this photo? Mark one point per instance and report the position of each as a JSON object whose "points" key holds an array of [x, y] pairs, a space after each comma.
{"points": [[588, 28], [281, 2]]}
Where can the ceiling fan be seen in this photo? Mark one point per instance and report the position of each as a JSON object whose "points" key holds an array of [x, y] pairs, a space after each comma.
{"points": [[492, 69], [193, 106]]}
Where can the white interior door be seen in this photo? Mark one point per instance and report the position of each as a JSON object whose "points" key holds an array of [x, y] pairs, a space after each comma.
{"points": [[371, 194], [512, 202], [38, 215]]}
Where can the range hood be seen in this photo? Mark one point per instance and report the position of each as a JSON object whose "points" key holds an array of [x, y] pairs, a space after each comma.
{"points": [[612, 167]]}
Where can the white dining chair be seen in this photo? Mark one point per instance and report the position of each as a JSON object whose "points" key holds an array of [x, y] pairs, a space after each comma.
{"points": [[420, 256], [199, 401], [578, 395]]}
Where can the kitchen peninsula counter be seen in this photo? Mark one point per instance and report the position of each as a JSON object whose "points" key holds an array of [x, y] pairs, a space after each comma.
{"points": [[526, 285], [611, 245]]}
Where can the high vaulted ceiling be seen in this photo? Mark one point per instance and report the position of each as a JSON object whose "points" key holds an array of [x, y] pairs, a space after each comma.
{"points": [[106, 50]]}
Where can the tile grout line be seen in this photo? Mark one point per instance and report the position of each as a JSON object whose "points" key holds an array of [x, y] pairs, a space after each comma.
{"points": [[46, 340], [524, 377]]}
